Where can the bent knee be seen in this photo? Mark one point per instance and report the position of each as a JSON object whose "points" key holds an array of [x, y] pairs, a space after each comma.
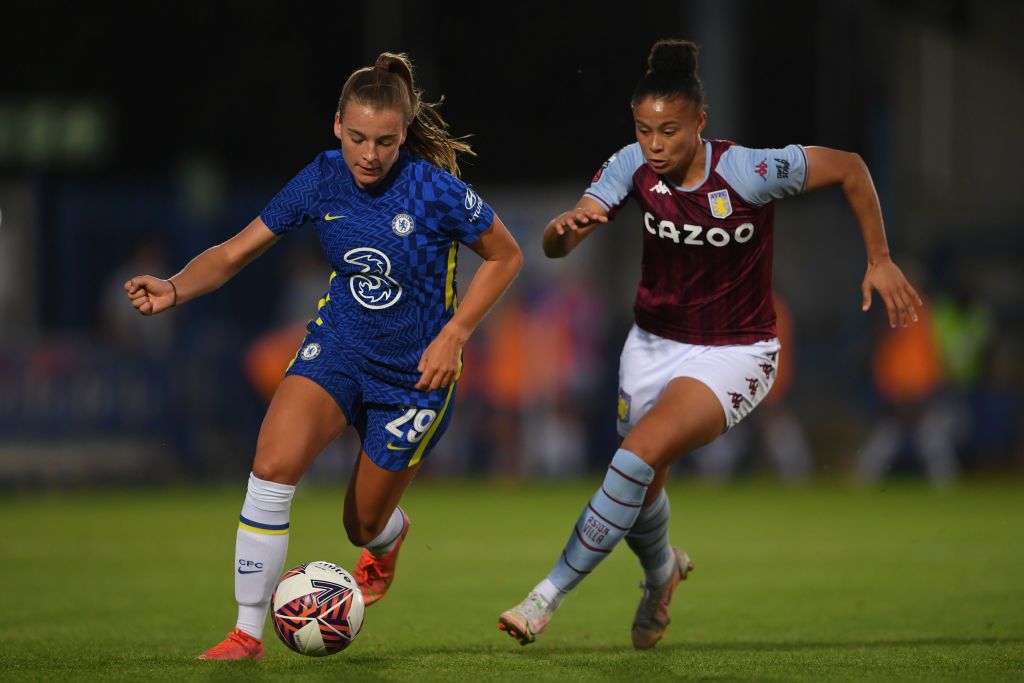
{"points": [[649, 451], [276, 472], [361, 533]]}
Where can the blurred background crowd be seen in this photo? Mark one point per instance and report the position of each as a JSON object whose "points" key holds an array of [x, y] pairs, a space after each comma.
{"points": [[132, 138]]}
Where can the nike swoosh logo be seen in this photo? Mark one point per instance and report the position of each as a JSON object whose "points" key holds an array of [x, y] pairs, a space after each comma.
{"points": [[250, 571], [329, 217], [392, 447]]}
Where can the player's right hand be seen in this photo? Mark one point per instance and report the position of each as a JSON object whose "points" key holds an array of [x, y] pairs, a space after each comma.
{"points": [[576, 219], [150, 295]]}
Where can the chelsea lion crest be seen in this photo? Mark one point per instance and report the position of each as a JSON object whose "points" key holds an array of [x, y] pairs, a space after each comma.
{"points": [[309, 351], [403, 225]]}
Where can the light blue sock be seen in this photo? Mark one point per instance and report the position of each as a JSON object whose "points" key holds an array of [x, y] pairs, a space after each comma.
{"points": [[648, 539], [605, 520]]}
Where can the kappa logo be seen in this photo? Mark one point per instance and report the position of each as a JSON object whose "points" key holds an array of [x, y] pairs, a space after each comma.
{"points": [[753, 385], [767, 369], [661, 188], [403, 224], [310, 351], [762, 169], [737, 399], [721, 206]]}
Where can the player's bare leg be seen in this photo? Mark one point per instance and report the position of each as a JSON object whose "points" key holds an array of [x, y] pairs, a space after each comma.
{"points": [[374, 520], [301, 420]]}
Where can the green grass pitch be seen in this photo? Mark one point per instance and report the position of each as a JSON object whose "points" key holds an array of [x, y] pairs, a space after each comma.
{"points": [[818, 583]]}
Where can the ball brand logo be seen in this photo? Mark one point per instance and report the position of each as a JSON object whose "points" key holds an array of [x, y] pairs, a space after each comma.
{"points": [[328, 591], [249, 567], [373, 287], [403, 225], [310, 351]]}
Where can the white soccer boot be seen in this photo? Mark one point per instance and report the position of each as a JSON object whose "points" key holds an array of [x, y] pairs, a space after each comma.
{"points": [[527, 619]]}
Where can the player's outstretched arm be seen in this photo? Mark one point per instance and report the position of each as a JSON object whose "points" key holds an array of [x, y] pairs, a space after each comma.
{"points": [[566, 230], [203, 274], [502, 261], [827, 166]]}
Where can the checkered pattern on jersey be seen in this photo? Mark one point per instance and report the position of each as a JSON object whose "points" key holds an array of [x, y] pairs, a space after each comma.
{"points": [[394, 251], [371, 403]]}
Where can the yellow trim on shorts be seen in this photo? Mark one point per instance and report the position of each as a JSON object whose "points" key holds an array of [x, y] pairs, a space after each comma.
{"points": [[418, 455]]}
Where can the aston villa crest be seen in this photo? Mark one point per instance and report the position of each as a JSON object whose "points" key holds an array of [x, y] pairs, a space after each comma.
{"points": [[721, 207]]}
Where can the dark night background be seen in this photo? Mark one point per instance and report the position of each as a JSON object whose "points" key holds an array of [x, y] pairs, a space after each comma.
{"points": [[172, 124]]}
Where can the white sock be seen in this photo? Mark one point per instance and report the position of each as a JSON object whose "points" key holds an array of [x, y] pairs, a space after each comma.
{"points": [[260, 549], [551, 593], [385, 541]]}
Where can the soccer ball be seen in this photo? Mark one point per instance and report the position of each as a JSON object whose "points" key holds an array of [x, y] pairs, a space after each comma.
{"points": [[317, 609]]}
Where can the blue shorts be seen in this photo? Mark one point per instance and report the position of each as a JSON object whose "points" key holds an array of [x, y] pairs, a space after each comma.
{"points": [[398, 426]]}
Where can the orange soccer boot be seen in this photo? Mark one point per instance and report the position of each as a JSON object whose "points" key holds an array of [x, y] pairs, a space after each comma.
{"points": [[374, 573], [238, 645]]}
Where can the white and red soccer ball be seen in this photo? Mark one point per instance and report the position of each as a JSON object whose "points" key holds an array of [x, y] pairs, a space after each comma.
{"points": [[317, 609]]}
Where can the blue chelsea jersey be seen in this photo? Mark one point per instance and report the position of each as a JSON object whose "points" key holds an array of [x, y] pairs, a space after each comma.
{"points": [[393, 249]]}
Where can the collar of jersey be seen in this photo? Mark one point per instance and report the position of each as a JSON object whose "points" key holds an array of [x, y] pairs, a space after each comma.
{"points": [[380, 188], [707, 170]]}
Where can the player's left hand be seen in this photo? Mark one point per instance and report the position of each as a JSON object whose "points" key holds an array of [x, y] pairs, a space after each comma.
{"points": [[899, 296], [440, 361]]}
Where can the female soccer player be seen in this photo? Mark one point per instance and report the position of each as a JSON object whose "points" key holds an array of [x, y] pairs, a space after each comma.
{"points": [[703, 351], [385, 349]]}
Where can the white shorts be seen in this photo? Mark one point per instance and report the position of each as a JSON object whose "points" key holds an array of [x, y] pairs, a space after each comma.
{"points": [[739, 374]]}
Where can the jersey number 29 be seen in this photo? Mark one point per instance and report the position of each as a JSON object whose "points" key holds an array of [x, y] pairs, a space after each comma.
{"points": [[421, 421]]}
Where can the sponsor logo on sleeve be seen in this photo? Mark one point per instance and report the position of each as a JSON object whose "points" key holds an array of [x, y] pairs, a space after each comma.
{"points": [[781, 168], [473, 204], [721, 206], [600, 171]]}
